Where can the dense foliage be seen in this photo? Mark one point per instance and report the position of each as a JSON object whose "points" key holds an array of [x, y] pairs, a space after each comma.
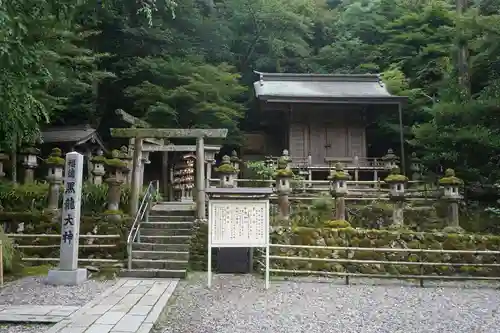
{"points": [[191, 63]]}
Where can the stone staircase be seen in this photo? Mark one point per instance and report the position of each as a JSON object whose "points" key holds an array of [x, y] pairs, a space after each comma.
{"points": [[163, 247]]}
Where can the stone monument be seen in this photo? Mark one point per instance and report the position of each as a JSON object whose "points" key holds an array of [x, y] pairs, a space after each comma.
{"points": [[68, 272]]}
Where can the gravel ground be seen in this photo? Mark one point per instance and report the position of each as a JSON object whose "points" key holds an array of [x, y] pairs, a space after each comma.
{"points": [[241, 304], [33, 291]]}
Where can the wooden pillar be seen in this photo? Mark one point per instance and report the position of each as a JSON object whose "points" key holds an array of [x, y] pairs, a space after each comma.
{"points": [[200, 178], [136, 173], [165, 175], [88, 157]]}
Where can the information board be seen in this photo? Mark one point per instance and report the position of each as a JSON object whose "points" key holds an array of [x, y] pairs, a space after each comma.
{"points": [[238, 223]]}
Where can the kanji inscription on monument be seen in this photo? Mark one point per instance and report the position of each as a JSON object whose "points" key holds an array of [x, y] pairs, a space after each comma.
{"points": [[68, 272]]}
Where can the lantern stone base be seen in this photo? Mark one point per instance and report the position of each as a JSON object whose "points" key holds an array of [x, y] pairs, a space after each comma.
{"points": [[67, 278]]}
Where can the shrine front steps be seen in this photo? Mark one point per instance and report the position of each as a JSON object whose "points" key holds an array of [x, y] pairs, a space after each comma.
{"points": [[163, 247]]}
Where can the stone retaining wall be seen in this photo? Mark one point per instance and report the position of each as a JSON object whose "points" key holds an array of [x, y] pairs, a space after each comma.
{"points": [[39, 223], [350, 237]]}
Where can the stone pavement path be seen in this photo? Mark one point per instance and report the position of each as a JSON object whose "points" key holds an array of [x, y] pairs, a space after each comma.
{"points": [[131, 306], [36, 313]]}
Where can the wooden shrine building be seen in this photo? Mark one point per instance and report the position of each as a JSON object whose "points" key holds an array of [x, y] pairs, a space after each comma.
{"points": [[325, 116]]}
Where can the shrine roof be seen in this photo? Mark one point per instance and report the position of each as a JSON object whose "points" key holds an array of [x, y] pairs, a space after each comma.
{"points": [[77, 134], [329, 88]]}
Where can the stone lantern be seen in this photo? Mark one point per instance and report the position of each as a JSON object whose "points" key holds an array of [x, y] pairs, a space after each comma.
{"points": [[283, 176], [235, 160], [397, 183], [415, 167], [117, 171], [30, 163], [338, 181], [55, 164], [451, 197], [338, 188], [390, 160], [98, 169], [451, 185], [3, 158], [227, 172]]}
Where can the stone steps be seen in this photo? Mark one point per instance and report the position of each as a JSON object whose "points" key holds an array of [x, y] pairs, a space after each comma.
{"points": [[143, 246], [163, 250], [146, 232], [154, 273], [166, 239], [162, 264], [160, 255], [173, 218]]}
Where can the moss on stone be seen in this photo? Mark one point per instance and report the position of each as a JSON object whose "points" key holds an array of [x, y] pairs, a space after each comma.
{"points": [[366, 238], [339, 173], [112, 212], [55, 158], [115, 163], [336, 224], [283, 173], [396, 177], [226, 168], [450, 178], [99, 159]]}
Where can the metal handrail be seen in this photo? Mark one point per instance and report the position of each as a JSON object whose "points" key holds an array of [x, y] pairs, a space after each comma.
{"points": [[143, 209]]}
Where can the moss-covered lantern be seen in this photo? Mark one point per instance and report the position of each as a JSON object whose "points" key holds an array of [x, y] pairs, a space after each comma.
{"points": [[451, 185], [98, 170], [227, 172], [116, 167], [3, 158], [283, 176], [235, 160], [397, 183], [338, 181], [30, 157], [390, 160], [55, 164]]}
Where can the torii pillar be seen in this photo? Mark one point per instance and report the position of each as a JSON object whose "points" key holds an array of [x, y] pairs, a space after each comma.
{"points": [[139, 134]]}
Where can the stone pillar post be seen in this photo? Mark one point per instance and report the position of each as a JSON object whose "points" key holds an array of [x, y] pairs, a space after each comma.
{"points": [[30, 163], [98, 170], [55, 164], [451, 197], [117, 171], [397, 183], [3, 158], [339, 190], [227, 173], [283, 188]]}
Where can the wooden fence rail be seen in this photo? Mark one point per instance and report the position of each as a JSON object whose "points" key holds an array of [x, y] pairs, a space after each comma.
{"points": [[421, 263]]}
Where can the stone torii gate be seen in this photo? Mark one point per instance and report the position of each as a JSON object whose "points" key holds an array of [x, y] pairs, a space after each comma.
{"points": [[140, 134], [210, 151]]}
